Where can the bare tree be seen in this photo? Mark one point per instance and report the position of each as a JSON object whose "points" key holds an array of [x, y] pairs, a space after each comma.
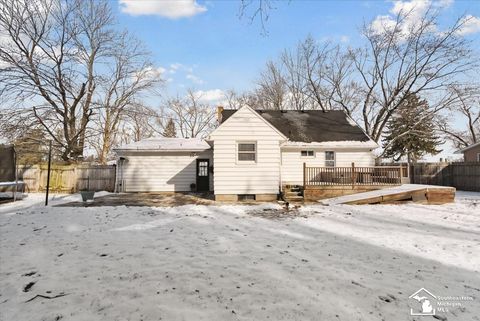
{"points": [[234, 100], [256, 10], [371, 82], [141, 122], [16, 123], [272, 89], [51, 63], [192, 117], [405, 59], [295, 81], [313, 76], [130, 76], [466, 110], [323, 72]]}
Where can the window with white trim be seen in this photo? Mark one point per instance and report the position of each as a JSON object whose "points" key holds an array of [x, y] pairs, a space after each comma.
{"points": [[307, 153], [247, 152], [478, 157], [329, 158]]}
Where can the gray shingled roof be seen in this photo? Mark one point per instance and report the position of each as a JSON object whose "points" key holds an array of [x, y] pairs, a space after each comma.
{"points": [[311, 125]]}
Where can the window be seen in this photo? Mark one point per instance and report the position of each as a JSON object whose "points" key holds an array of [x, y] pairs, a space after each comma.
{"points": [[478, 157], [202, 168], [246, 197], [307, 153], [330, 159], [247, 152]]}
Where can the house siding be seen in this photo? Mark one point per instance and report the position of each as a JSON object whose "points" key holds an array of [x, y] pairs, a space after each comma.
{"points": [[292, 162], [471, 155], [159, 171], [233, 177]]}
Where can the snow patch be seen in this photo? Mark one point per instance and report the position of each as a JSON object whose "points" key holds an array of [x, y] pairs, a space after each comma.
{"points": [[167, 144], [222, 263], [370, 144]]}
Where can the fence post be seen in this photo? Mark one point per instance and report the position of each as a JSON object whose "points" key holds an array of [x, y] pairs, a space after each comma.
{"points": [[304, 175], [400, 174], [353, 175], [412, 173], [450, 170], [38, 177], [75, 179], [408, 174]]}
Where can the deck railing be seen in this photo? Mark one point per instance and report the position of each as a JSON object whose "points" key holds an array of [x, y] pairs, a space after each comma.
{"points": [[374, 175]]}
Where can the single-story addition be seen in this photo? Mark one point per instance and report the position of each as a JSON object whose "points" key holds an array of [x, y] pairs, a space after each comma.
{"points": [[471, 153], [252, 154]]}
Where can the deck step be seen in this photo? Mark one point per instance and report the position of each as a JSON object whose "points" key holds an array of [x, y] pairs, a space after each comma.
{"points": [[294, 198], [290, 194], [293, 193]]}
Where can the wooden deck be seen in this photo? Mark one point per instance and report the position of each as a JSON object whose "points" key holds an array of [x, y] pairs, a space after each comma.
{"points": [[425, 194], [353, 176]]}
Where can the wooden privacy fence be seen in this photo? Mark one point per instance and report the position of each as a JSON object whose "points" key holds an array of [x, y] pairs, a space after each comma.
{"points": [[68, 178], [374, 175], [462, 176]]}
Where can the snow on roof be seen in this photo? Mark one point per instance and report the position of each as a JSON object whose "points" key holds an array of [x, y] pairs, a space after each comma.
{"points": [[334, 144], [167, 144], [467, 148]]}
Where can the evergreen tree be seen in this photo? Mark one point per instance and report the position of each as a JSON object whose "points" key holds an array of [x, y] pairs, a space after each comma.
{"points": [[170, 130], [411, 131], [31, 147]]}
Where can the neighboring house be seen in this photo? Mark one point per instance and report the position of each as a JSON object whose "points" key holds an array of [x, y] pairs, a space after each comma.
{"points": [[253, 153], [471, 153]]}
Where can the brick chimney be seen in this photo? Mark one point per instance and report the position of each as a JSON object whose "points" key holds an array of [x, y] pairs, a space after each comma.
{"points": [[219, 114]]}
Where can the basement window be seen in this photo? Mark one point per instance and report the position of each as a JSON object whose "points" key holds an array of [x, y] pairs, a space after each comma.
{"points": [[247, 152], [330, 159], [307, 153], [246, 197]]}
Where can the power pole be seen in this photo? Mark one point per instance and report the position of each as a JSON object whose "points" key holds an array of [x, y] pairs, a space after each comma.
{"points": [[48, 173]]}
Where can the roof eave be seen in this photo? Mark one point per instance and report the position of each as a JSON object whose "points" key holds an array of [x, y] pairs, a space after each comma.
{"points": [[467, 148], [364, 145], [160, 150], [212, 135]]}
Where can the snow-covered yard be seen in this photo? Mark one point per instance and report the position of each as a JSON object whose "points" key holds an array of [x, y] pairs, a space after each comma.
{"points": [[335, 262]]}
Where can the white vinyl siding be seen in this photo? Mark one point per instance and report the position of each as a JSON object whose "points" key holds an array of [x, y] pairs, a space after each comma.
{"points": [[160, 171], [234, 177], [345, 158], [292, 162]]}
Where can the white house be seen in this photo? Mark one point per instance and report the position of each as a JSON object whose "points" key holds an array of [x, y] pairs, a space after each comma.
{"points": [[251, 154]]}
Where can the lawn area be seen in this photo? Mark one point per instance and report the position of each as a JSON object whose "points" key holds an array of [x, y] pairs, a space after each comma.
{"points": [[236, 262]]}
